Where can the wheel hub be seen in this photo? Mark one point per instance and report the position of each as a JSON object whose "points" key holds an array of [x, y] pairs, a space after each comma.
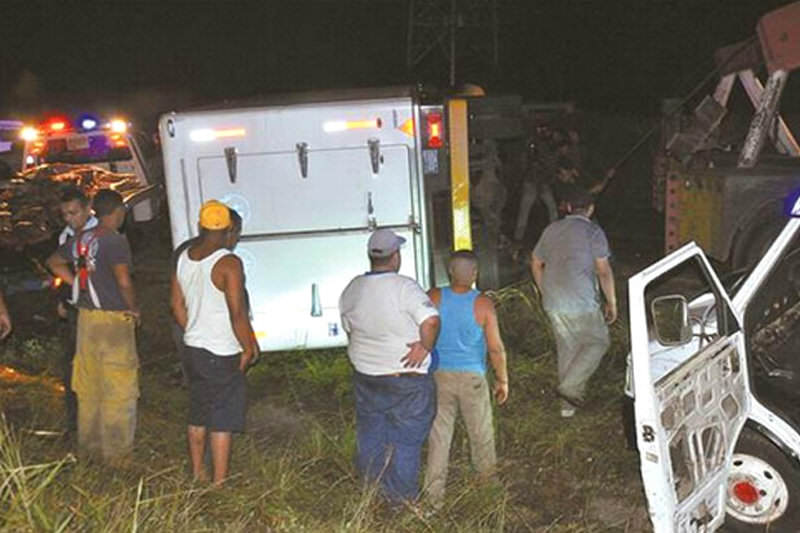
{"points": [[757, 493]]}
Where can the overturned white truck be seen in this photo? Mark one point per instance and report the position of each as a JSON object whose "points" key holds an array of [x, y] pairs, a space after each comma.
{"points": [[312, 175]]}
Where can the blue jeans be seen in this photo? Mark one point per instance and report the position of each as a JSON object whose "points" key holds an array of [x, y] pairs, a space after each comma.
{"points": [[393, 417]]}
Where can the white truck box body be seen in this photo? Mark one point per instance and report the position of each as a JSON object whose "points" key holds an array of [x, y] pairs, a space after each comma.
{"points": [[303, 238]]}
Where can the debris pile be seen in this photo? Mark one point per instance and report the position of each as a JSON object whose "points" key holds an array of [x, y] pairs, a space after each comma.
{"points": [[29, 202]]}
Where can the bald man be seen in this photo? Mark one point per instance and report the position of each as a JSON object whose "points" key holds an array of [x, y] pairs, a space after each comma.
{"points": [[469, 328]]}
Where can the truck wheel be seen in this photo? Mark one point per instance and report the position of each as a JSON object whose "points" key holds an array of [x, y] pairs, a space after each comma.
{"points": [[763, 488]]}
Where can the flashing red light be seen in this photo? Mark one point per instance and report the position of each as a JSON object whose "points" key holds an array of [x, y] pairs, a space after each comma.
{"points": [[57, 126], [434, 126]]}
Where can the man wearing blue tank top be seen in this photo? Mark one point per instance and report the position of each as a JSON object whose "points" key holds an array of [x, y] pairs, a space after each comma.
{"points": [[469, 327]]}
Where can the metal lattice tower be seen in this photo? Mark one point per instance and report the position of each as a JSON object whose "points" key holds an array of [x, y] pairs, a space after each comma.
{"points": [[454, 31]]}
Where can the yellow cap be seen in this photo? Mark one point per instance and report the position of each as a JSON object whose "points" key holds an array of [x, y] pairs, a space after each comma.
{"points": [[215, 215]]}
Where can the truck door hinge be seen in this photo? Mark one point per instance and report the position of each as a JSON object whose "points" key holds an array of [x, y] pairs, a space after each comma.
{"points": [[302, 158], [230, 160], [372, 223], [374, 154]]}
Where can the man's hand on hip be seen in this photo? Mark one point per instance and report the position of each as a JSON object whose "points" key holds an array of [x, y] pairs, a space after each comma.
{"points": [[416, 355]]}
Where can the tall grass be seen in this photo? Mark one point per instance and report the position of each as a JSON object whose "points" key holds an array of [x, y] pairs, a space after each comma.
{"points": [[292, 471]]}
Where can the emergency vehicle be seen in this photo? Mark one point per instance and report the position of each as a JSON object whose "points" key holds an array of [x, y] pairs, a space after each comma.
{"points": [[312, 175], [112, 145], [715, 379], [10, 147]]}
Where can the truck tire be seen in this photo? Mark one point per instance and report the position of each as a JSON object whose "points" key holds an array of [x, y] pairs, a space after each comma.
{"points": [[763, 488]]}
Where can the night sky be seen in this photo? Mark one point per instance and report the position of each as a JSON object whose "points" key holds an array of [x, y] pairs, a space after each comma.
{"points": [[605, 55]]}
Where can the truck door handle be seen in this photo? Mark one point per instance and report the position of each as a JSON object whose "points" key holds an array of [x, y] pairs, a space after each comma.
{"points": [[230, 160], [372, 223], [374, 154], [302, 158]]}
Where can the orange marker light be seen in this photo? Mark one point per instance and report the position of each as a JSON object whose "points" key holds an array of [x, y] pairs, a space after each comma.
{"points": [[407, 127]]}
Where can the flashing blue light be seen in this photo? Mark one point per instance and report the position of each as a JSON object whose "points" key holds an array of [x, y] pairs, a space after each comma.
{"points": [[791, 204], [88, 122]]}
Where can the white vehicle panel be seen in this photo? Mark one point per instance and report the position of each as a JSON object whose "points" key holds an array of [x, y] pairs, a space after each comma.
{"points": [[304, 236], [339, 191], [687, 421]]}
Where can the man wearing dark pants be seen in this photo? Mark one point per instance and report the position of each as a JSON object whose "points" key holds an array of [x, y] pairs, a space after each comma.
{"points": [[392, 327], [568, 263], [208, 303], [469, 330], [76, 210]]}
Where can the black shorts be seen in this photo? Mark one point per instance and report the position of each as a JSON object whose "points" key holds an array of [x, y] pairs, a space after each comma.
{"points": [[217, 394]]}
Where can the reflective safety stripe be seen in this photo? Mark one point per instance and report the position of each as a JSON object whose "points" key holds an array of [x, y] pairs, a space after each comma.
{"points": [[459, 173]]}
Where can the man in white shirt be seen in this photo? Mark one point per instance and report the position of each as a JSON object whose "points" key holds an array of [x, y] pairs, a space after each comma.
{"points": [[392, 327], [76, 210]]}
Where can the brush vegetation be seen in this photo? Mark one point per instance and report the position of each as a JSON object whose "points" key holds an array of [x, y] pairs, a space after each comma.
{"points": [[292, 470]]}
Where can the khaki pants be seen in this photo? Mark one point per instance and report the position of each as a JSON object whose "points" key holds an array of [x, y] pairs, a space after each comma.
{"points": [[581, 342], [105, 378], [467, 392]]}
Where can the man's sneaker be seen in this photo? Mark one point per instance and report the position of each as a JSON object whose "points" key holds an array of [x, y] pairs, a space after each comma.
{"points": [[571, 400], [567, 412]]}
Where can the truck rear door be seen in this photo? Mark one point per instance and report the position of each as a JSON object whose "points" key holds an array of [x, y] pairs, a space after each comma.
{"points": [[690, 412], [311, 183]]}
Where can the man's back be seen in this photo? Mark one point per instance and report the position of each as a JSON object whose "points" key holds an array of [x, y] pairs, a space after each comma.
{"points": [[208, 323], [461, 345], [381, 311], [570, 247]]}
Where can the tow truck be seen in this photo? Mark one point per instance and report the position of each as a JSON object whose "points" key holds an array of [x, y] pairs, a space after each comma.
{"points": [[313, 174], [720, 189], [112, 145]]}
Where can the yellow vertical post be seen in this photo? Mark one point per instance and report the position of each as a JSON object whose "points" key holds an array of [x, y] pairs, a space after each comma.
{"points": [[459, 173]]}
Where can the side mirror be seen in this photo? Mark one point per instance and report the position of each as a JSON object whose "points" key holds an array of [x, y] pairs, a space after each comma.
{"points": [[671, 319]]}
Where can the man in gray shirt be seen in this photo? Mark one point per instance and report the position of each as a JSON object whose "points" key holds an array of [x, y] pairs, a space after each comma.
{"points": [[568, 263]]}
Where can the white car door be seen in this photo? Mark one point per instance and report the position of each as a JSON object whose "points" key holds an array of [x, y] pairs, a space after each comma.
{"points": [[687, 419]]}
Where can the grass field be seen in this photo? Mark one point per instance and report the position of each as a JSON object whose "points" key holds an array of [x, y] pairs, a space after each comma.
{"points": [[292, 470]]}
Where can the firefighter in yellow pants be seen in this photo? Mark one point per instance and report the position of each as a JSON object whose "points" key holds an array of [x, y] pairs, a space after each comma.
{"points": [[105, 368], [105, 378]]}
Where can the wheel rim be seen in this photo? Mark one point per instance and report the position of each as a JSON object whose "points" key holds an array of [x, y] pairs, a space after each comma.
{"points": [[757, 493]]}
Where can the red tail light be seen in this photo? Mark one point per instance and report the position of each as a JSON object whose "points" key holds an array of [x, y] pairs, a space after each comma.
{"points": [[433, 123]]}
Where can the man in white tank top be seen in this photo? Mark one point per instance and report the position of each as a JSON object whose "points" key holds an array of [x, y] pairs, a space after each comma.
{"points": [[209, 304]]}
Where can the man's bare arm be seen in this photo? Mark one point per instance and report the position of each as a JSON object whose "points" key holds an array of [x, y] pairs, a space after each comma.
{"points": [[122, 275], [232, 277], [59, 265], [5, 318], [605, 275], [494, 342], [537, 270], [177, 303], [435, 294]]}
